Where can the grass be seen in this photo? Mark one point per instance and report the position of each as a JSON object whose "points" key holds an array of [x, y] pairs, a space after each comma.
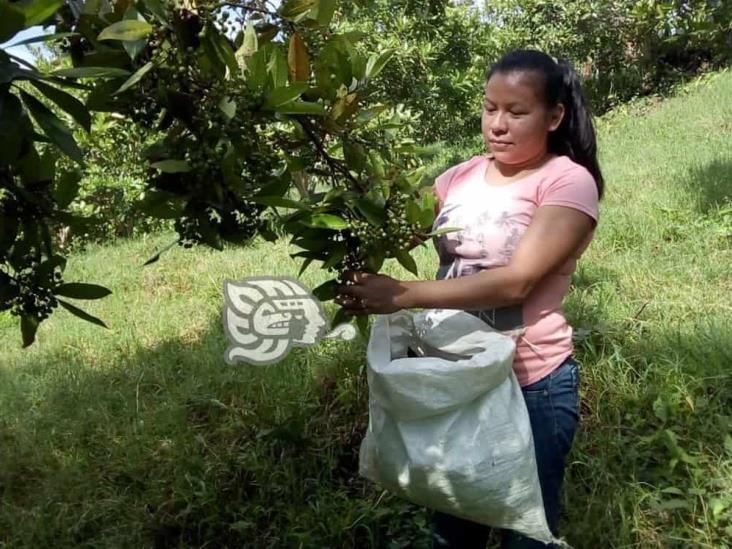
{"points": [[141, 436]]}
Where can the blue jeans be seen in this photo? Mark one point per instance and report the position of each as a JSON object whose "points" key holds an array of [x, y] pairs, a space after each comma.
{"points": [[553, 404]]}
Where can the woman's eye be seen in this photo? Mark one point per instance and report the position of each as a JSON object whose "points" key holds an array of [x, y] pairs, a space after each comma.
{"points": [[515, 113]]}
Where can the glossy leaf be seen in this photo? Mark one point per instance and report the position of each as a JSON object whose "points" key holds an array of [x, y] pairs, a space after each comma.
{"points": [[172, 166], [326, 291], [67, 186], [12, 20], [377, 63], [327, 221], [291, 9], [248, 47], [92, 72], [128, 29], [45, 38], [374, 214], [38, 11], [285, 94], [305, 265], [344, 108], [135, 78], [66, 102], [443, 230], [326, 9], [300, 107], [279, 202], [407, 261], [53, 127], [278, 68]]}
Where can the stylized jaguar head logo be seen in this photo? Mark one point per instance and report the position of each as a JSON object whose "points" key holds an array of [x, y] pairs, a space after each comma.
{"points": [[265, 316]]}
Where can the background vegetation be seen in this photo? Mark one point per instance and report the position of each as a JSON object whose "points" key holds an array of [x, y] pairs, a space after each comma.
{"points": [[138, 437]]}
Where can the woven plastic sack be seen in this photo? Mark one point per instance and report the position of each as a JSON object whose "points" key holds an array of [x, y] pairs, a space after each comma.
{"points": [[449, 430]]}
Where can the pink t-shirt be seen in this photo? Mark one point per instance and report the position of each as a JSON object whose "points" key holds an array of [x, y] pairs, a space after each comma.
{"points": [[493, 218]]}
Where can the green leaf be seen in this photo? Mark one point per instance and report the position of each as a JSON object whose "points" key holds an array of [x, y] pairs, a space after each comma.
{"points": [[172, 166], [91, 72], [81, 314], [291, 9], [375, 261], [12, 20], [336, 255], [407, 261], [278, 201], [66, 102], [228, 107], [326, 291], [53, 127], [38, 11], [157, 8], [45, 38], [161, 204], [355, 155], [277, 187], [80, 290], [340, 318], [373, 213], [156, 257], [305, 265], [301, 107], [249, 45], [257, 70], [220, 48], [377, 63], [444, 230], [278, 68], [28, 328], [327, 221], [285, 94], [135, 78], [326, 9], [8, 231], [133, 47], [128, 29]]}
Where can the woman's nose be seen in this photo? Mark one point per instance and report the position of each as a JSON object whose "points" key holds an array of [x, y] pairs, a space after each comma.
{"points": [[498, 124]]}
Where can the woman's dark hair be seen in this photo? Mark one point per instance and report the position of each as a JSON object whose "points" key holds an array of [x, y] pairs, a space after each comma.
{"points": [[575, 136]]}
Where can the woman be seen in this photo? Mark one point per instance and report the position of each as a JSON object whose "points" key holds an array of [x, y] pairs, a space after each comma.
{"points": [[528, 210]]}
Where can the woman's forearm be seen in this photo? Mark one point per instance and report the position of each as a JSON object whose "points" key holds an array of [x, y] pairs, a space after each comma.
{"points": [[498, 287]]}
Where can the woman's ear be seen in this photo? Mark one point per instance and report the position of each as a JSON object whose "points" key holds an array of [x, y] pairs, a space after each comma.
{"points": [[556, 116]]}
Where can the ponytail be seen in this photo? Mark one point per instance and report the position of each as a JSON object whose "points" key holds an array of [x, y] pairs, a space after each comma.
{"points": [[575, 136]]}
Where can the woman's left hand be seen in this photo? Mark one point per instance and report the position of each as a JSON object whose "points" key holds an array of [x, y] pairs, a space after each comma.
{"points": [[371, 294]]}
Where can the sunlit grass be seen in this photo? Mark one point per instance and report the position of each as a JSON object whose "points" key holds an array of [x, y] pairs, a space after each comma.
{"points": [[141, 435]]}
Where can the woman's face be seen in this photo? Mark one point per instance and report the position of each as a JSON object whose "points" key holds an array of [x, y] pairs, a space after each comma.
{"points": [[515, 121]]}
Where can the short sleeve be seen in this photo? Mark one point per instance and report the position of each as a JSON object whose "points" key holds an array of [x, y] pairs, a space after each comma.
{"points": [[442, 183], [445, 179], [573, 188]]}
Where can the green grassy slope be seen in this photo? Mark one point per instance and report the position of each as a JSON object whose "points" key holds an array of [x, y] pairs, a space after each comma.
{"points": [[141, 436]]}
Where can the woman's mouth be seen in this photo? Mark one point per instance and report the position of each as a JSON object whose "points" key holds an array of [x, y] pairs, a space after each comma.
{"points": [[498, 144]]}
